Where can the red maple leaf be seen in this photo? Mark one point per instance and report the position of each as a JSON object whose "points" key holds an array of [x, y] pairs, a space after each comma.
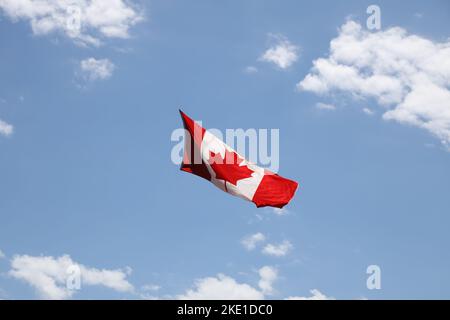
{"points": [[228, 168]]}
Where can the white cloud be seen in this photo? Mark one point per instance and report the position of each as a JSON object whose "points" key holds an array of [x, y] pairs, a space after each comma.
{"points": [[315, 295], [280, 211], [48, 275], [278, 250], [250, 70], [221, 287], [408, 75], [368, 111], [2, 255], [227, 288], [250, 242], [267, 275], [6, 129], [325, 106], [151, 287], [93, 69], [282, 53], [86, 22]]}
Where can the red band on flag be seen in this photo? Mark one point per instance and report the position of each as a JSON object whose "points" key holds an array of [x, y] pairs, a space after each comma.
{"points": [[274, 191], [192, 159]]}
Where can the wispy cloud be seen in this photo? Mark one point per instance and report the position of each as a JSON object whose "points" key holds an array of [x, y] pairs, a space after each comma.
{"points": [[250, 242], [96, 69], [325, 106], [250, 70], [6, 129], [48, 275], [278, 250], [368, 111], [150, 287], [315, 295], [282, 52]]}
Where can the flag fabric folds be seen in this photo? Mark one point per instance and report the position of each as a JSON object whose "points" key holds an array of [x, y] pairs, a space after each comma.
{"points": [[210, 158]]}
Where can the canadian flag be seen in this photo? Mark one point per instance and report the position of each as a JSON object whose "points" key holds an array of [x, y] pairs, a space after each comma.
{"points": [[210, 158]]}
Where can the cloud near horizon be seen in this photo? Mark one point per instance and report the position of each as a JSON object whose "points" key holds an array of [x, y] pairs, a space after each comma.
{"points": [[223, 287], [315, 295], [278, 250], [249, 242], [48, 275]]}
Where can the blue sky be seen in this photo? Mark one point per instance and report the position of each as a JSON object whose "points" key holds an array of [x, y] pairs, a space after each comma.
{"points": [[86, 171]]}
